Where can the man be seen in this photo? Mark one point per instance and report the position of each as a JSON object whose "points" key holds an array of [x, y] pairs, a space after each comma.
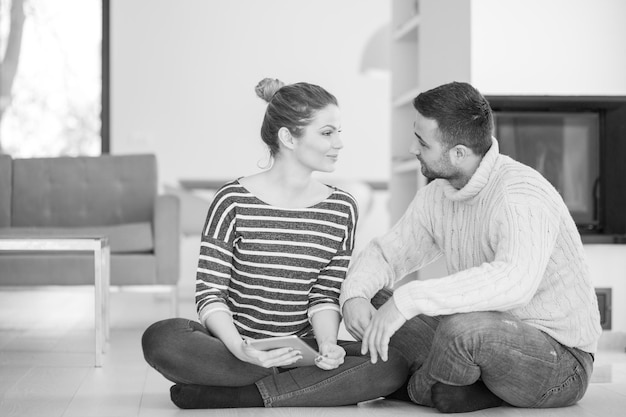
{"points": [[516, 320]]}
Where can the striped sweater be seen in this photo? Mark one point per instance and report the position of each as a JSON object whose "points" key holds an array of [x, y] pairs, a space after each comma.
{"points": [[272, 268], [509, 243]]}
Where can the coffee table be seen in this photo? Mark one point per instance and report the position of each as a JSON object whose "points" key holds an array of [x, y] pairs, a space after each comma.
{"points": [[99, 246]]}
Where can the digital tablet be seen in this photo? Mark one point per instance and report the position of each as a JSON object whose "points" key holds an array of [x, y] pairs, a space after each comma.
{"points": [[308, 353]]}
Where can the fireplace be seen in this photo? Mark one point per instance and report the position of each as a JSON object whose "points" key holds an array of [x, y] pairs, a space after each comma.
{"points": [[579, 144]]}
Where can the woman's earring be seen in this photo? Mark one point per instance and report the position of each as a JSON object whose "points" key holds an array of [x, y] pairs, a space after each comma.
{"points": [[268, 163]]}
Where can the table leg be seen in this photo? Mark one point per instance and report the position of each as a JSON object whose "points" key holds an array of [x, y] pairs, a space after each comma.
{"points": [[107, 294], [98, 287]]}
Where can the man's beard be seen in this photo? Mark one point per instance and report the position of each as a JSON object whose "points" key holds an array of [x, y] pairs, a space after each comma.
{"points": [[445, 171]]}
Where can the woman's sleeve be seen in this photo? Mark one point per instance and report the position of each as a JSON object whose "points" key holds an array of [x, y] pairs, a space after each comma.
{"points": [[216, 253], [327, 288]]}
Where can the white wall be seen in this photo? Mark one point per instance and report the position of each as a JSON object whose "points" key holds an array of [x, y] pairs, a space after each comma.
{"points": [[183, 74], [558, 47]]}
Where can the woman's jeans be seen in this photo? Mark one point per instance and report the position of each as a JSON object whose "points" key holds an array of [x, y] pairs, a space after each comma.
{"points": [[519, 363], [184, 352]]}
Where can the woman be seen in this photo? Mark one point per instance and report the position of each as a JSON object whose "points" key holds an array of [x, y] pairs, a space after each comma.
{"points": [[275, 249]]}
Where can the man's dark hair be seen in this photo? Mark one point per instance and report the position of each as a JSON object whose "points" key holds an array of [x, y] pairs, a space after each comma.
{"points": [[462, 113]]}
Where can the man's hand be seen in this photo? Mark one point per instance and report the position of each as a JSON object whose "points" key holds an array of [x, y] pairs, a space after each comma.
{"points": [[357, 313], [383, 324]]}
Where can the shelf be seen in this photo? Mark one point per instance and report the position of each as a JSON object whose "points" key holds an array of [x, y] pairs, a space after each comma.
{"points": [[403, 30], [406, 98]]}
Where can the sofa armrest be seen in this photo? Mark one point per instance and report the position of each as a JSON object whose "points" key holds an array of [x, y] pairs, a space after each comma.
{"points": [[167, 235]]}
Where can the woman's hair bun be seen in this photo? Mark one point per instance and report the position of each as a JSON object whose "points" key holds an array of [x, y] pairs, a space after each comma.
{"points": [[267, 87]]}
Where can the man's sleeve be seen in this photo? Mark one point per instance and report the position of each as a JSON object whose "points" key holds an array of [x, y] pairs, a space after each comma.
{"points": [[524, 237], [408, 246]]}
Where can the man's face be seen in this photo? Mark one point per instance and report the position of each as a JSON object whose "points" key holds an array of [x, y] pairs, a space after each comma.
{"points": [[430, 150]]}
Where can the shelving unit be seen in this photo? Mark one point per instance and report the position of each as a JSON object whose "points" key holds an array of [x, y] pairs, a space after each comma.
{"points": [[405, 169], [406, 28], [429, 47]]}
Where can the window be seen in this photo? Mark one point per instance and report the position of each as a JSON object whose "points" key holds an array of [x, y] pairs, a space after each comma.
{"points": [[54, 94]]}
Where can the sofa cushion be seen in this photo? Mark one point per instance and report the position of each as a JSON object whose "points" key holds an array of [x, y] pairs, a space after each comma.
{"points": [[123, 238], [83, 191], [5, 190]]}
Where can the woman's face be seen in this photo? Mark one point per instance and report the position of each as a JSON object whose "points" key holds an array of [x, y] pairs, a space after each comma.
{"points": [[318, 147]]}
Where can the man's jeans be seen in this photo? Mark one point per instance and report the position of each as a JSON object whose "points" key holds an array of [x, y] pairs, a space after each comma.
{"points": [[517, 362], [183, 351]]}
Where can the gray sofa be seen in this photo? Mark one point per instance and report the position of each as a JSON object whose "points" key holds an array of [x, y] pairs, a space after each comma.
{"points": [[111, 195]]}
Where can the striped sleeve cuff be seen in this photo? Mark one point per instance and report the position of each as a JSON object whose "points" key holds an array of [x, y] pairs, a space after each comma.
{"points": [[321, 307], [212, 308]]}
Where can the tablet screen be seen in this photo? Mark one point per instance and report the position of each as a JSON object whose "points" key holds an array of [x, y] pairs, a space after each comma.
{"points": [[308, 353]]}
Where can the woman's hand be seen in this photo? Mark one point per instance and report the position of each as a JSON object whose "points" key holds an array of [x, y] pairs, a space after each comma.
{"points": [[331, 356], [267, 358]]}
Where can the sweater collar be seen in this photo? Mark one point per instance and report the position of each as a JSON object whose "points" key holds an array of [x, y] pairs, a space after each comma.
{"points": [[478, 180]]}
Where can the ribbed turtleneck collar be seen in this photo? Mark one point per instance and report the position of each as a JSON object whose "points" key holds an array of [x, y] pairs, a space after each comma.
{"points": [[478, 180]]}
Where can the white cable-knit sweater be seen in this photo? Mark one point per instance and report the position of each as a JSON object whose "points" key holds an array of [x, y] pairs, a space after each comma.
{"points": [[509, 243]]}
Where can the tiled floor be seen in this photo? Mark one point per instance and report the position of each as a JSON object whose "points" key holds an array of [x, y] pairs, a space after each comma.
{"points": [[46, 365]]}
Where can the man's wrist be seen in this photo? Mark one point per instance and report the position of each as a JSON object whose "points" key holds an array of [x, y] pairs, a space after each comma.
{"points": [[349, 292], [399, 300], [356, 297]]}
